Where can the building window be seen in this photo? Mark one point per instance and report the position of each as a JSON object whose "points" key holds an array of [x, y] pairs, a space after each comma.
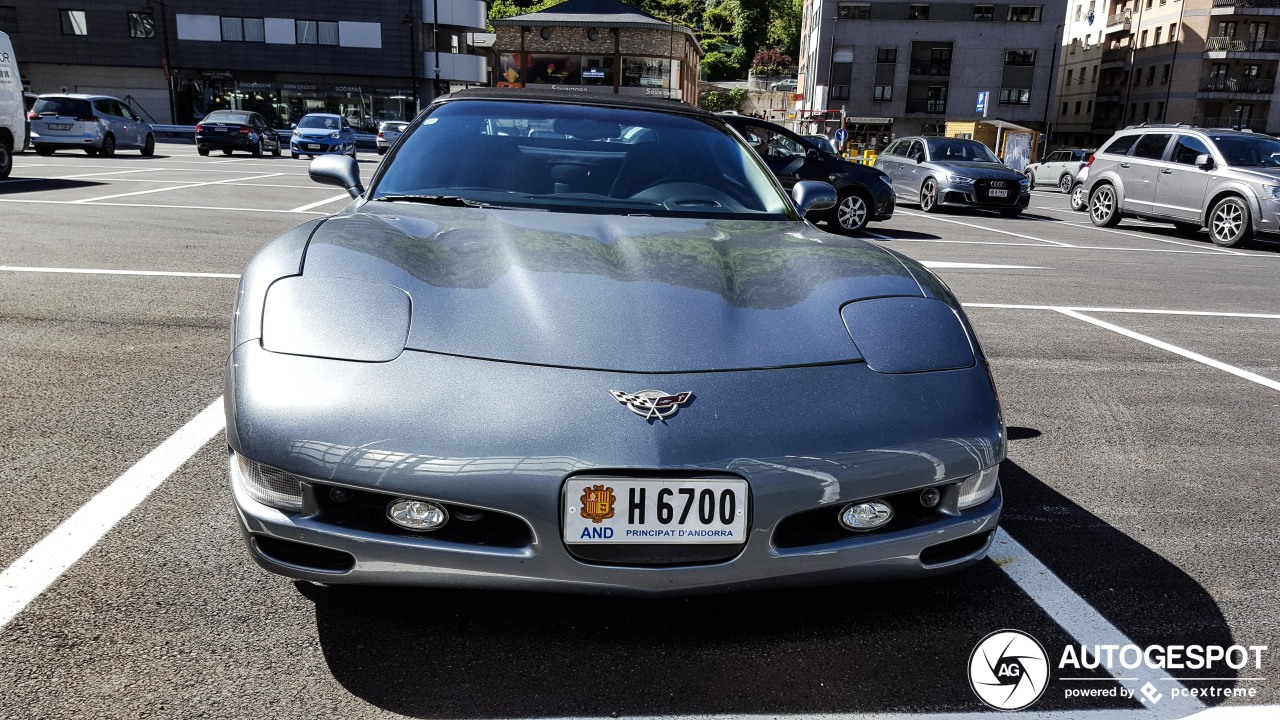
{"points": [[1077, 107], [984, 12], [1024, 13], [1173, 32], [853, 11], [1025, 57], [917, 12], [1015, 96], [1137, 77], [73, 22], [839, 92], [1070, 74], [1151, 74], [888, 56], [883, 92], [316, 32], [1064, 107], [1160, 105], [1157, 37], [1142, 39], [1094, 78], [1089, 107], [236, 29], [142, 25]]}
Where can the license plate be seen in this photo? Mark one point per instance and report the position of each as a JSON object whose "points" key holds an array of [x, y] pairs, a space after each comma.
{"points": [[623, 511], [59, 126], [998, 193], [218, 129], [313, 146]]}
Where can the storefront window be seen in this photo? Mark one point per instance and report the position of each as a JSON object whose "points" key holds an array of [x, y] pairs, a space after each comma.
{"points": [[652, 72], [597, 71], [511, 70], [554, 69], [283, 103]]}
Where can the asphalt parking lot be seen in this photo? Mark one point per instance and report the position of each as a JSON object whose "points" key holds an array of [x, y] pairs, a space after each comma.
{"points": [[1139, 371]]}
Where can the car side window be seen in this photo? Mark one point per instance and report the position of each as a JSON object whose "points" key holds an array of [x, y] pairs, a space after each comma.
{"points": [[1152, 146], [917, 150], [1186, 148], [126, 112], [1056, 157], [104, 107], [893, 148], [1120, 145]]}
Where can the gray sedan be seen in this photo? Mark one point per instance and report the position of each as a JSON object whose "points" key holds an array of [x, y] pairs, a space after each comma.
{"points": [[607, 354], [940, 172]]}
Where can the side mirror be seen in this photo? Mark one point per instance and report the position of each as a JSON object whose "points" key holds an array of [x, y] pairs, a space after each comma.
{"points": [[293, 126], [338, 170], [1204, 161], [918, 158], [811, 196]]}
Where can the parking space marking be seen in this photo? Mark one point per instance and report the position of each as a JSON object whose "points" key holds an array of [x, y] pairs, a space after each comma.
{"points": [[988, 229], [39, 567], [1091, 226], [318, 203], [162, 207], [1252, 377], [975, 266], [176, 187], [87, 271], [1137, 311]]}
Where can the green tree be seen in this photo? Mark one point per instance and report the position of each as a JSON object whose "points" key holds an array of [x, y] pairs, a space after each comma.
{"points": [[717, 66], [718, 101]]}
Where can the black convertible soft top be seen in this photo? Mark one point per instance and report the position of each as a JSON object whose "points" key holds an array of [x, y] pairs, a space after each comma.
{"points": [[575, 98]]}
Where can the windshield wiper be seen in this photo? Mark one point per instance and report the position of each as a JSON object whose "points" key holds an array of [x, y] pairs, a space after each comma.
{"points": [[449, 200]]}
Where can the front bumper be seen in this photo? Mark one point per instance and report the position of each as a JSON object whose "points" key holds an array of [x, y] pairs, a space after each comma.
{"points": [[523, 429], [305, 146], [952, 194]]}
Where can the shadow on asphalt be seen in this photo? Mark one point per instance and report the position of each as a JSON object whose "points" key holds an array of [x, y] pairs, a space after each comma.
{"points": [[17, 185], [900, 234], [883, 647]]}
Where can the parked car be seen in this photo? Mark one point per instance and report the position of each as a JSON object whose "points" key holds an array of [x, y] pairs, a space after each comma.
{"points": [[1227, 180], [602, 366], [1079, 198], [864, 192], [788, 85], [230, 130], [96, 124], [1058, 169], [388, 132], [322, 134], [939, 172], [13, 128]]}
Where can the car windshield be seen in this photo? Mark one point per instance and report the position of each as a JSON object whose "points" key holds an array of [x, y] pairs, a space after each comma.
{"points": [[394, 126], [572, 158], [948, 150], [227, 117], [62, 107], [822, 142], [1251, 151], [323, 122]]}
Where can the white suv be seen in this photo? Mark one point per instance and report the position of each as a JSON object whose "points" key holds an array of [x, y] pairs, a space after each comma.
{"points": [[93, 123], [13, 127]]}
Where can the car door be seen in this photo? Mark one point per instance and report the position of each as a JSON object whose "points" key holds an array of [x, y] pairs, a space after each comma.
{"points": [[913, 171], [136, 128], [1044, 172], [1139, 171], [348, 136], [1181, 186], [887, 161], [105, 110]]}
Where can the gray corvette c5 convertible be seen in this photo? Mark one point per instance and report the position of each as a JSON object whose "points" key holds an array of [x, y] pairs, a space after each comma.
{"points": [[589, 344]]}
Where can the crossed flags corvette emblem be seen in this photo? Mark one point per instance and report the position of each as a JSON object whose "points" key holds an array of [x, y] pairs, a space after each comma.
{"points": [[652, 404]]}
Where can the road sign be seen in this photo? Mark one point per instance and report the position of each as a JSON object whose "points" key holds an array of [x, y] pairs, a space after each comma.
{"points": [[841, 136], [982, 102]]}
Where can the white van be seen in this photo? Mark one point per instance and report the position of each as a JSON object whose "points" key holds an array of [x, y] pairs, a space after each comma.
{"points": [[13, 116]]}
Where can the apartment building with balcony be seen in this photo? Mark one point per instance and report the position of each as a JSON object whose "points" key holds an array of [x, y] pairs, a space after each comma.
{"points": [[889, 69], [177, 60], [1202, 62]]}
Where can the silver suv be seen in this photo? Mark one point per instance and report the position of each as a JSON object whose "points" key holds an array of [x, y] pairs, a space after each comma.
{"points": [[92, 123], [1227, 180]]}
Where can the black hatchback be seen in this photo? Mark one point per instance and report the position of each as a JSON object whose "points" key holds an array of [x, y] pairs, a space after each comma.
{"points": [[229, 130], [864, 193]]}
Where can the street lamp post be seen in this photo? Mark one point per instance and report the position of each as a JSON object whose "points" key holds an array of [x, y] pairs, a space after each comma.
{"points": [[164, 59]]}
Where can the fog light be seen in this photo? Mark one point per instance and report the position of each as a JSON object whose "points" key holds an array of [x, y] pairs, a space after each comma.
{"points": [[340, 494], [865, 516], [978, 488], [929, 497], [417, 515]]}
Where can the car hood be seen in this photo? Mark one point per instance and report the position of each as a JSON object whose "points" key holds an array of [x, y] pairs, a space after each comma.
{"points": [[1258, 174], [634, 294], [978, 170]]}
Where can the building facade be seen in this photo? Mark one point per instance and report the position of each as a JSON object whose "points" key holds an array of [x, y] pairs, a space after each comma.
{"points": [[1201, 62], [597, 46], [176, 60], [889, 69]]}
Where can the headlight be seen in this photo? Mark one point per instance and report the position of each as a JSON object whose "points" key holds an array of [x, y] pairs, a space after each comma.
{"points": [[333, 136], [296, 133], [1273, 189], [961, 179], [978, 488], [886, 180], [1024, 180], [270, 486]]}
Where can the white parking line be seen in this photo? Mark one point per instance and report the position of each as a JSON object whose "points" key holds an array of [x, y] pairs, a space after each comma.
{"points": [[86, 271], [39, 567], [1091, 226], [318, 203], [974, 266], [1252, 377], [983, 227], [1139, 311], [175, 187], [75, 203]]}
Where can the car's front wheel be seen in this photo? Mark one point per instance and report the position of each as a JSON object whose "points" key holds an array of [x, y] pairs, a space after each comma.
{"points": [[1031, 180], [1229, 223], [149, 147], [1079, 199], [929, 196], [1104, 206], [851, 213], [1064, 182], [293, 155]]}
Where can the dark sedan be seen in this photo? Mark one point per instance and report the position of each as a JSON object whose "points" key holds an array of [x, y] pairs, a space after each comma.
{"points": [[231, 130], [605, 354], [865, 193], [939, 172]]}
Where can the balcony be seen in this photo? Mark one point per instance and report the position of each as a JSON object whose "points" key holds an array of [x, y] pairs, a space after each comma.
{"points": [[1118, 23], [1110, 92], [931, 69], [1117, 57], [1223, 47], [1236, 86], [1228, 121], [1104, 124], [928, 107]]}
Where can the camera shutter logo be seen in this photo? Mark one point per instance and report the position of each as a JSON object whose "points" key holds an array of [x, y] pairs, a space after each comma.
{"points": [[1008, 670]]}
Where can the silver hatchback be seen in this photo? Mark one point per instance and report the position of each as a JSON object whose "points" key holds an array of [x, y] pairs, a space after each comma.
{"points": [[1226, 180], [92, 123]]}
